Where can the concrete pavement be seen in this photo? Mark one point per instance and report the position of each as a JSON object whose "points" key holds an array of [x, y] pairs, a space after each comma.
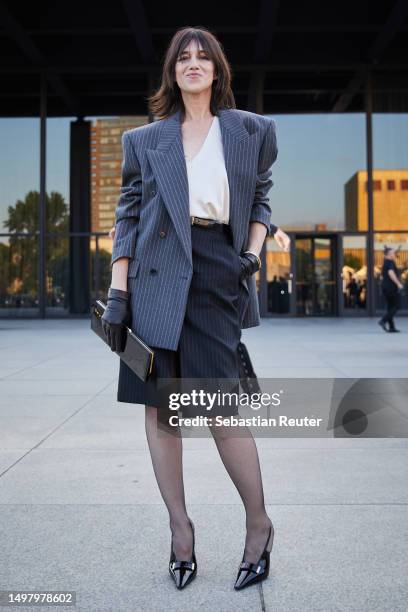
{"points": [[81, 509]]}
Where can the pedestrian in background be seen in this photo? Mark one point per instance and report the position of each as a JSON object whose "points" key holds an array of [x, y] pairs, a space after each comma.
{"points": [[391, 286]]}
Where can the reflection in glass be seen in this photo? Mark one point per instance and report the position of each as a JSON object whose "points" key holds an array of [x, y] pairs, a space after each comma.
{"points": [[57, 274], [19, 175], [318, 153], [400, 242], [304, 276], [106, 166], [19, 214], [278, 278], [390, 175], [57, 214], [324, 276], [101, 252], [315, 284], [19, 276], [354, 272]]}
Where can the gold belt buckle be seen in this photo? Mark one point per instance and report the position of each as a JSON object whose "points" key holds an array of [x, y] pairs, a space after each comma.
{"points": [[200, 221]]}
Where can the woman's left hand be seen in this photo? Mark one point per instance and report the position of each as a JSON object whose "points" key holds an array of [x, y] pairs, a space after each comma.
{"points": [[249, 265], [282, 239]]}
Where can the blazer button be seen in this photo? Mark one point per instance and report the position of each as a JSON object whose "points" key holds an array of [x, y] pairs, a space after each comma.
{"points": [[162, 234], [153, 271], [153, 192]]}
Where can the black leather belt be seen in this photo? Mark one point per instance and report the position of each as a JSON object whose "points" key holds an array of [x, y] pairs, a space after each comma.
{"points": [[205, 222]]}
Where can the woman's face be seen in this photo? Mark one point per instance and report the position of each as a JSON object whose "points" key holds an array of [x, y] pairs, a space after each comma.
{"points": [[193, 60]]}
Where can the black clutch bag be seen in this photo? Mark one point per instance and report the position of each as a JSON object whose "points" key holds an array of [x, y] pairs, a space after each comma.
{"points": [[136, 354]]}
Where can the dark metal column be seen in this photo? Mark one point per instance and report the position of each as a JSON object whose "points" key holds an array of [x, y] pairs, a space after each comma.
{"points": [[80, 217], [370, 199], [42, 294]]}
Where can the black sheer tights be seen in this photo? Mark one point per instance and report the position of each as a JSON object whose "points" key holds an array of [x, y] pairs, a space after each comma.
{"points": [[240, 458]]}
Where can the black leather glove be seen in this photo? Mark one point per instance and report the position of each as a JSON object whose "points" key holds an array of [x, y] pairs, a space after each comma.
{"points": [[116, 316], [249, 265]]}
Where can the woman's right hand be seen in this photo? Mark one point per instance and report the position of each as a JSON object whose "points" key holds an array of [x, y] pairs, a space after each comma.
{"points": [[116, 316]]}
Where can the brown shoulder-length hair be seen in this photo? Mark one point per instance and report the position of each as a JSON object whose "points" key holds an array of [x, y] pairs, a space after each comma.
{"points": [[167, 99]]}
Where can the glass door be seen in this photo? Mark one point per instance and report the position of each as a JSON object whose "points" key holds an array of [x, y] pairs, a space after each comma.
{"points": [[315, 276], [278, 278]]}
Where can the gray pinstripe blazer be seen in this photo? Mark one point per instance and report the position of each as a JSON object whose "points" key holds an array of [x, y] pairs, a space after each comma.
{"points": [[153, 219]]}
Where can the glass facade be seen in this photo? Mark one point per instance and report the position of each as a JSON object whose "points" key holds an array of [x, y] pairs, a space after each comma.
{"points": [[19, 289], [57, 216], [278, 278], [390, 161], [400, 243], [317, 156], [390, 198], [315, 276], [19, 216], [319, 197], [354, 273]]}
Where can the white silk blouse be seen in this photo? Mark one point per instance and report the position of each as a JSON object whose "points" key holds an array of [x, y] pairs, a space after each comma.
{"points": [[209, 192]]}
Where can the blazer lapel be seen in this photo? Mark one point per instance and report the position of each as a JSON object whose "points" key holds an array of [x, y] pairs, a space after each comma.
{"points": [[169, 167]]}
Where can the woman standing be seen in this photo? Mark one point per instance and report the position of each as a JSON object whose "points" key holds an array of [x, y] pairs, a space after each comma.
{"points": [[190, 224]]}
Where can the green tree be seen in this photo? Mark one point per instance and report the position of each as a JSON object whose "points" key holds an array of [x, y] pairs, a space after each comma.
{"points": [[23, 217], [19, 259]]}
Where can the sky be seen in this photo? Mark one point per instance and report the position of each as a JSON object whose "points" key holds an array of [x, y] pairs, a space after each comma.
{"points": [[317, 154]]}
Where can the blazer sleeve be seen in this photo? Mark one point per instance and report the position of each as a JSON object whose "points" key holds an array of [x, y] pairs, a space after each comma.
{"points": [[261, 210], [128, 208]]}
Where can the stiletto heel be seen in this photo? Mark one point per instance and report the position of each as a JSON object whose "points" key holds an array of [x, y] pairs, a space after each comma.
{"points": [[250, 573], [183, 572]]}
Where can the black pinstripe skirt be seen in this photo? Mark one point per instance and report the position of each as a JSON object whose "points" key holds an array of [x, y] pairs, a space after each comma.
{"points": [[206, 355]]}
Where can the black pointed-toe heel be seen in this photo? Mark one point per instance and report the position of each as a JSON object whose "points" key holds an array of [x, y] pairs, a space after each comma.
{"points": [[183, 572], [250, 573]]}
